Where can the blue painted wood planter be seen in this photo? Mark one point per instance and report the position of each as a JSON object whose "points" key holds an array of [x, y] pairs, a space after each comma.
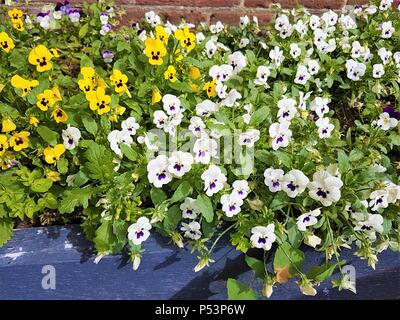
{"points": [[166, 272]]}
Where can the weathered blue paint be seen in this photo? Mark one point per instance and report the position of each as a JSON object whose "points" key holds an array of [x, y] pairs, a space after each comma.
{"points": [[166, 272]]}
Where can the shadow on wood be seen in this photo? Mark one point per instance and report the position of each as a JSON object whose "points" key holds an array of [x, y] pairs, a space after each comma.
{"points": [[166, 272]]}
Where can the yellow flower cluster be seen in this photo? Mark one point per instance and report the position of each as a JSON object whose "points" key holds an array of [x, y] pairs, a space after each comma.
{"points": [[18, 140], [16, 19]]}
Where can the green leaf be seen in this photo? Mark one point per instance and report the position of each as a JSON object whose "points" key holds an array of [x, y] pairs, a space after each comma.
{"points": [[205, 206], [99, 165], [355, 155], [172, 218], [41, 185], [256, 265], [6, 230], [128, 152], [83, 30], [105, 237], [323, 272], [294, 235], [184, 190], [90, 125], [74, 198], [344, 164], [239, 291], [62, 166], [50, 136], [287, 262], [157, 196], [259, 116]]}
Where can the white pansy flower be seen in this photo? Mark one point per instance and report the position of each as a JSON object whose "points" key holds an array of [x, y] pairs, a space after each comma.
{"points": [[172, 104], [315, 22], [378, 199], [282, 22], [277, 56], [301, 28], [130, 125], [385, 122], [385, 55], [287, 109], [313, 67], [189, 209], [157, 170], [240, 188], [372, 9], [230, 99], [197, 126], [263, 237], [347, 22], [206, 108], [295, 50], [320, 106], [373, 224], [325, 188], [221, 73], [179, 163], [330, 18], [214, 180], [152, 18], [160, 119], [273, 179], [200, 37], [387, 30], [244, 42], [192, 230], [378, 70], [116, 138], [385, 4], [263, 72], [294, 182], [231, 204], [221, 88], [302, 75], [303, 97], [71, 137], [249, 137], [217, 28], [238, 61], [308, 219], [281, 134], [204, 149], [210, 48], [139, 231], [325, 127], [244, 21]]}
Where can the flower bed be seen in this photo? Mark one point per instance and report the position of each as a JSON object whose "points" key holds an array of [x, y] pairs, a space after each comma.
{"points": [[278, 135]]}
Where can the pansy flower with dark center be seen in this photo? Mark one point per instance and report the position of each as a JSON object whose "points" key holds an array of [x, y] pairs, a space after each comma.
{"points": [[6, 43], [155, 51], [41, 57]]}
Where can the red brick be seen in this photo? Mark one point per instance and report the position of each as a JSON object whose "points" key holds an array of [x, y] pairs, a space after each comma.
{"points": [[258, 3], [233, 16], [354, 2], [313, 4], [191, 3], [173, 15]]}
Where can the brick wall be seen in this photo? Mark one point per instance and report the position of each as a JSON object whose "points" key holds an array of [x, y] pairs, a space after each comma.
{"points": [[212, 10]]}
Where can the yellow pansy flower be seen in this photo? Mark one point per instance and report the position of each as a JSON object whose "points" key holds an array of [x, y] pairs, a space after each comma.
{"points": [[86, 85], [15, 14], [98, 100], [186, 38], [161, 34], [53, 176], [41, 57], [194, 73], [25, 85], [18, 25], [45, 100], [155, 51], [59, 115], [170, 74], [120, 110], [210, 88], [54, 52], [34, 121], [3, 144], [56, 94], [156, 96], [52, 155], [19, 140], [6, 43], [119, 81], [7, 125], [88, 73]]}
